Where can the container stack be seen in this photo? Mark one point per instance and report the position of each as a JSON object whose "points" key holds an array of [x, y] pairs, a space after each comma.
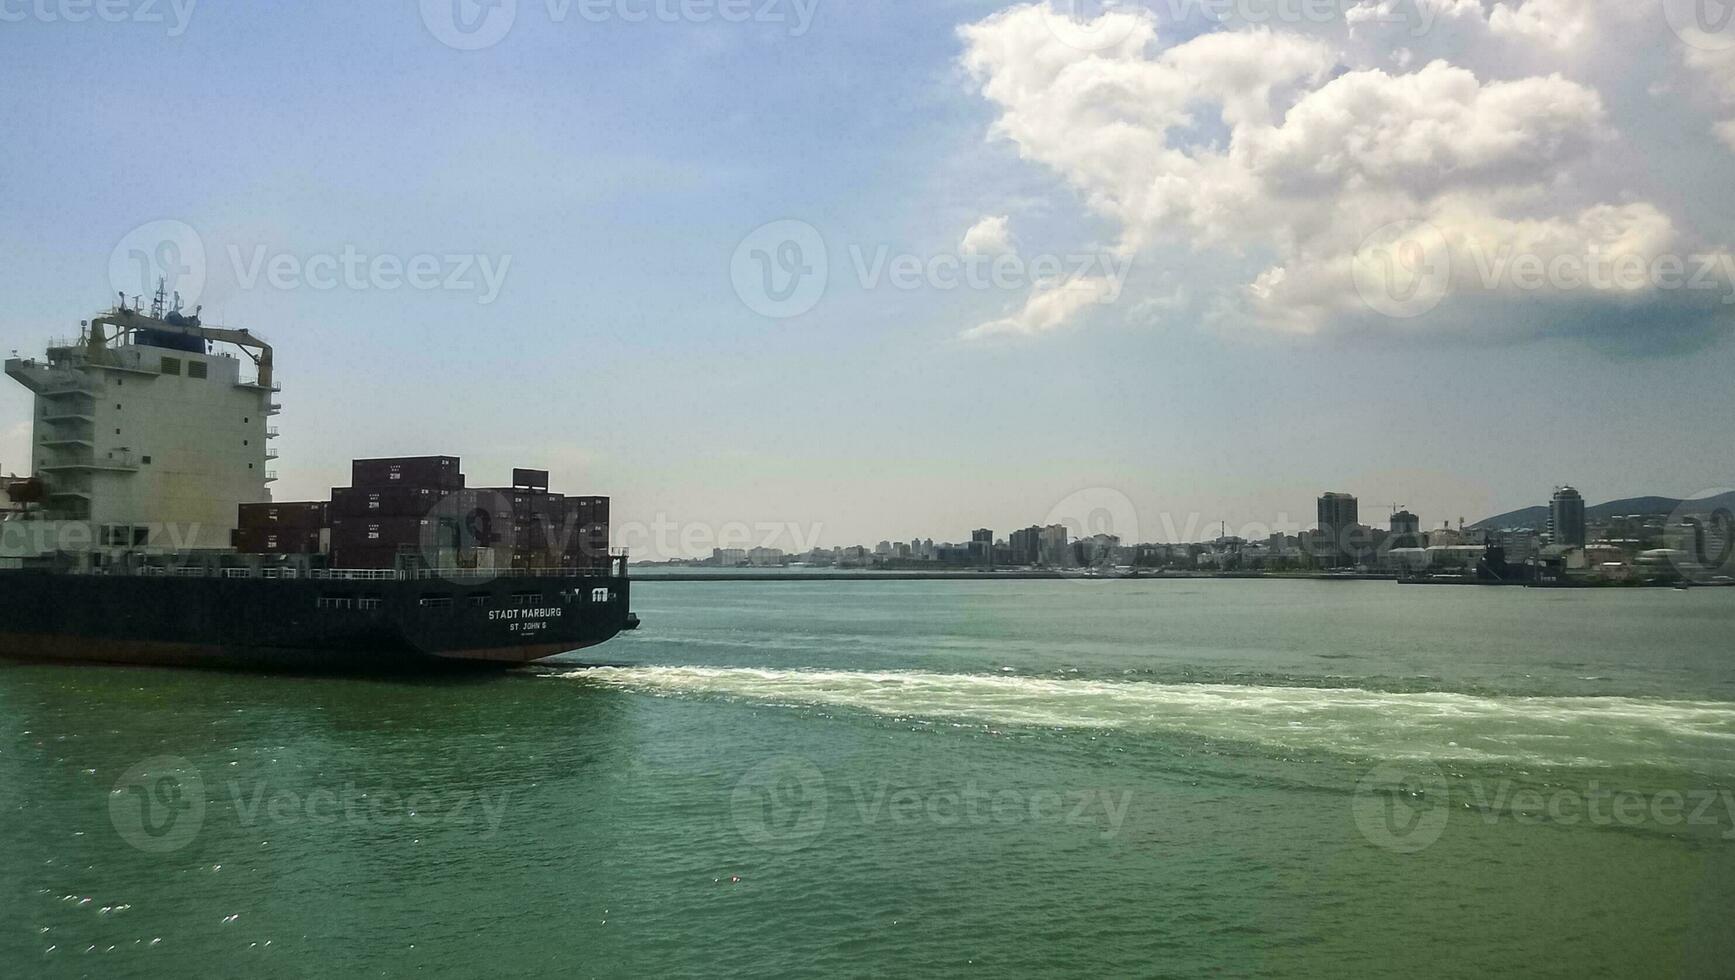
{"points": [[417, 508], [282, 528], [394, 507]]}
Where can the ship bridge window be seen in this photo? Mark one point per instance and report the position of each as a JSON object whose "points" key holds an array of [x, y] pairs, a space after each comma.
{"points": [[336, 602], [479, 600], [369, 602], [171, 365], [198, 369], [525, 600], [436, 601]]}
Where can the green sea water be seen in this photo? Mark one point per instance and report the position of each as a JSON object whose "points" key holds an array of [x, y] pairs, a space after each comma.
{"points": [[1042, 778]]}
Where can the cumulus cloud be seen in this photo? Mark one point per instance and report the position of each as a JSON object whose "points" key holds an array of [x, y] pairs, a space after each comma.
{"points": [[1048, 308], [990, 236], [1715, 65], [1320, 156]]}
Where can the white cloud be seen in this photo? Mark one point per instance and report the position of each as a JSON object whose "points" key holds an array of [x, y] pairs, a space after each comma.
{"points": [[1320, 153], [1715, 66], [990, 236], [1049, 308]]}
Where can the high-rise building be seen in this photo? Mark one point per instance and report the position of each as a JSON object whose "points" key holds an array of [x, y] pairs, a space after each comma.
{"points": [[1339, 516], [1054, 550], [1406, 531], [982, 545], [1566, 518], [1026, 545]]}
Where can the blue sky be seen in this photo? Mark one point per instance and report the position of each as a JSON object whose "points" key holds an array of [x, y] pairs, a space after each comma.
{"points": [[613, 168]]}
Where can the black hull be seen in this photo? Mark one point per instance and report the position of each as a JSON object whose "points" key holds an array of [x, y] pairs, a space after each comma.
{"points": [[344, 625]]}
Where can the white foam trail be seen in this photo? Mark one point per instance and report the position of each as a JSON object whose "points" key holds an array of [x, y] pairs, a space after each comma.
{"points": [[1548, 731]]}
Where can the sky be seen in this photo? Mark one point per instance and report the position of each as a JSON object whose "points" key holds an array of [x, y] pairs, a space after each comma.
{"points": [[805, 272]]}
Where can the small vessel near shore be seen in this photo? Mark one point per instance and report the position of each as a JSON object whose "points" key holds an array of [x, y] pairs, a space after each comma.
{"points": [[146, 533]]}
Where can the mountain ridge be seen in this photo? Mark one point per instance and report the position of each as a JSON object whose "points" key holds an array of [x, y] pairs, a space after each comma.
{"points": [[1537, 517]]}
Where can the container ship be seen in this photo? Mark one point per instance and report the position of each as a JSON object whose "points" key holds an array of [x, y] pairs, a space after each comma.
{"points": [[146, 532]]}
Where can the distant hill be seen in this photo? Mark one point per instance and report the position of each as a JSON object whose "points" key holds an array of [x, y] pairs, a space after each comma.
{"points": [[1537, 517]]}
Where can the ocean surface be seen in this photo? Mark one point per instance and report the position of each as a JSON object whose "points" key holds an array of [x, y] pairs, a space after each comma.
{"points": [[1039, 778]]}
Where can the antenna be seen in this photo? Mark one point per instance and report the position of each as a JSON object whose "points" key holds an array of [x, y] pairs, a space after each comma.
{"points": [[157, 301]]}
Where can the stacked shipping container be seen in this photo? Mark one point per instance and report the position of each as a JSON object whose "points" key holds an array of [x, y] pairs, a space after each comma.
{"points": [[281, 529], [419, 508]]}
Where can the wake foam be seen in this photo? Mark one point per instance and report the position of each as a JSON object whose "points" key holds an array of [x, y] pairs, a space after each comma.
{"points": [[1437, 726]]}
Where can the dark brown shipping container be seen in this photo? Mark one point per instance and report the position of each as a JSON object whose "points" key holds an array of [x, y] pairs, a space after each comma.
{"points": [[386, 501], [432, 472], [301, 515], [390, 532], [530, 479], [277, 541]]}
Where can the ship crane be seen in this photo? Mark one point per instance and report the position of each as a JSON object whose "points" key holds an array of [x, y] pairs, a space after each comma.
{"points": [[126, 320]]}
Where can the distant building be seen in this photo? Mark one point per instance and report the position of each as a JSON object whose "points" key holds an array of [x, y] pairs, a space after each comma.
{"points": [[728, 557], [1053, 548], [1406, 531], [1339, 516], [982, 546], [765, 557], [1566, 518], [1026, 545]]}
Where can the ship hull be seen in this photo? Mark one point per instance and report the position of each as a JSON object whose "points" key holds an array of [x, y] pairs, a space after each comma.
{"points": [[363, 626]]}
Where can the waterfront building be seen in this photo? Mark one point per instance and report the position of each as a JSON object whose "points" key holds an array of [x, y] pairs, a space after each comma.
{"points": [[1339, 516], [1566, 518]]}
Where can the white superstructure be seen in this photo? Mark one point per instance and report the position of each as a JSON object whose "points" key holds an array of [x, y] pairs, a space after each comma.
{"points": [[148, 434]]}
